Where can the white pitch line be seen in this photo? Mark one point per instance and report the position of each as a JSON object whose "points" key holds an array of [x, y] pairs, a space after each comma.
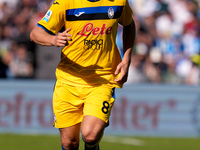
{"points": [[121, 140]]}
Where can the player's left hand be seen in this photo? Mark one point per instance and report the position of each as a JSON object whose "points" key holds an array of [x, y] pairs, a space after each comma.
{"points": [[123, 69]]}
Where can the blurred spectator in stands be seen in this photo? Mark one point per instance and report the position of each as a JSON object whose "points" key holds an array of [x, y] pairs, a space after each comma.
{"points": [[136, 74], [166, 39], [5, 44], [191, 43], [17, 18], [190, 37], [5, 12], [144, 8], [20, 66]]}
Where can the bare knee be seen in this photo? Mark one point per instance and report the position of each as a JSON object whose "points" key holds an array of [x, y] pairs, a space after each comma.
{"points": [[92, 129], [90, 137], [70, 144], [70, 137]]}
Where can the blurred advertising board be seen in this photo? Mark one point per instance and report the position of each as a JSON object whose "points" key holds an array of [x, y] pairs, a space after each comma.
{"points": [[26, 106], [139, 110], [157, 110]]}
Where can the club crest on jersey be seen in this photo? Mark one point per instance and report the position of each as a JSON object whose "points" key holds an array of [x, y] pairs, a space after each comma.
{"points": [[47, 16], [111, 12]]}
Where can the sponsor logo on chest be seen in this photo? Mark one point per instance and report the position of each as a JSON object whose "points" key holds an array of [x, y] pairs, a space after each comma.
{"points": [[90, 29]]}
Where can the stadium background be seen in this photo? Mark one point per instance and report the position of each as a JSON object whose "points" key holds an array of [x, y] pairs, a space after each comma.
{"points": [[159, 105]]}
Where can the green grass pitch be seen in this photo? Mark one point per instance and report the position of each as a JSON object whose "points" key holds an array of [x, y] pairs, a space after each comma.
{"points": [[52, 142]]}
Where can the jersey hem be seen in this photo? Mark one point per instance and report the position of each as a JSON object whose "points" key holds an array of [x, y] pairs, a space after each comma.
{"points": [[71, 83]]}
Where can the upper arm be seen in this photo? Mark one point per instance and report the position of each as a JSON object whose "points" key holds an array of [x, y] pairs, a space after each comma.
{"points": [[41, 37], [37, 31], [126, 17], [129, 35], [130, 27]]}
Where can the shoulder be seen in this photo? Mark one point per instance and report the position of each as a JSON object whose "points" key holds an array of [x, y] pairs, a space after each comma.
{"points": [[120, 2], [59, 5], [61, 2]]}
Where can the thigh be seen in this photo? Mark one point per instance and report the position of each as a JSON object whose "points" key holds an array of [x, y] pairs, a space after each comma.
{"points": [[92, 126], [67, 107], [100, 102]]}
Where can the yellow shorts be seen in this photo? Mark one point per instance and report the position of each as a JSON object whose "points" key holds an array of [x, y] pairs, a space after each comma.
{"points": [[71, 103]]}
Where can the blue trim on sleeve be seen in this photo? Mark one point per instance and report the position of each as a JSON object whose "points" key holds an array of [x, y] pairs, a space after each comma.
{"points": [[41, 26]]}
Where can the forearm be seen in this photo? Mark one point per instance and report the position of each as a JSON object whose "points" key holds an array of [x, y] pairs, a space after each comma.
{"points": [[129, 34], [41, 37]]}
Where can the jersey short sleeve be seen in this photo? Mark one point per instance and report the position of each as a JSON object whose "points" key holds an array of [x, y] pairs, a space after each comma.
{"points": [[54, 19], [126, 17]]}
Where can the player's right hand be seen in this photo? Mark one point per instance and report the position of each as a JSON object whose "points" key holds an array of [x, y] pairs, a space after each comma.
{"points": [[61, 39]]}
